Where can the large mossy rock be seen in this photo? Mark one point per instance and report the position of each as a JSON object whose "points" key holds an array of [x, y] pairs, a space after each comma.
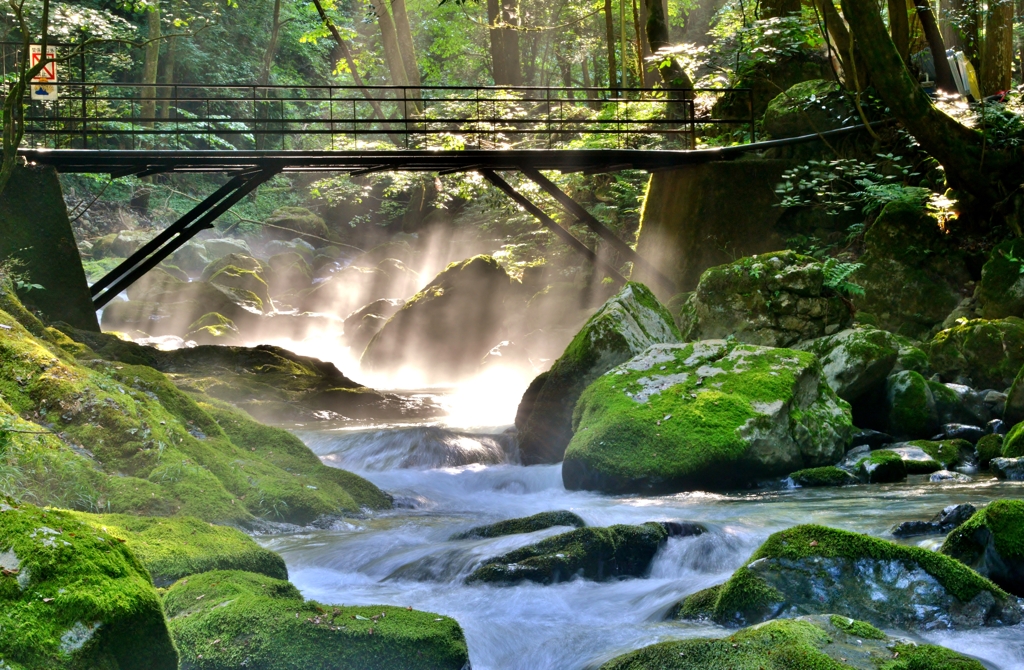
{"points": [[988, 353], [775, 299], [598, 554], [126, 439], [992, 542], [855, 361], [449, 325], [624, 326], [917, 408], [913, 274], [73, 596], [288, 222], [807, 108], [224, 620], [816, 570], [174, 547], [173, 308], [361, 325], [1001, 290], [826, 641], [704, 416], [529, 524]]}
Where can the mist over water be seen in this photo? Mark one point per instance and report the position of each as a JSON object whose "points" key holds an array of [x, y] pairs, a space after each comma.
{"points": [[448, 477]]}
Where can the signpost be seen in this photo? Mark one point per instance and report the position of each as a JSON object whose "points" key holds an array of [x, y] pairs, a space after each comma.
{"points": [[44, 84]]}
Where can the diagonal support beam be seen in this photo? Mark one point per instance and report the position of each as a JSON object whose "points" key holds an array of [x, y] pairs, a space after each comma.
{"points": [[588, 219], [199, 218], [549, 223]]}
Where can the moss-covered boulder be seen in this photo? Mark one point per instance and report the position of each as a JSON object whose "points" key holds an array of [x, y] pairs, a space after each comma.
{"points": [[814, 570], [221, 247], [806, 108], [155, 282], [992, 542], [119, 245], [361, 325], [1001, 290], [73, 596], [828, 475], [449, 325], [1013, 444], [289, 222], [288, 272], [988, 353], [172, 311], [918, 407], [624, 326], [826, 641], [597, 554], [775, 299], [706, 415], [529, 524], [174, 547], [882, 467], [191, 258], [238, 279], [912, 273], [213, 329], [224, 619], [990, 446], [855, 361]]}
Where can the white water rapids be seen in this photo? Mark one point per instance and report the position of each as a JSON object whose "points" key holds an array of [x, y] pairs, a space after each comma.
{"points": [[445, 481]]}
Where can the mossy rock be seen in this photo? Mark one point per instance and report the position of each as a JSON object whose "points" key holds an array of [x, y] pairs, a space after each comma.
{"points": [[806, 108], [989, 447], [597, 554], [913, 273], [175, 547], [181, 306], [775, 299], [989, 353], [361, 325], [455, 320], [230, 619], [949, 454], [918, 407], [73, 596], [291, 222], [992, 542], [813, 569], [828, 475], [819, 642], [708, 415], [155, 283], [529, 524], [219, 248], [213, 329], [119, 245], [883, 466], [855, 361], [1001, 289], [191, 258], [238, 260], [626, 325], [289, 271], [1013, 445], [238, 279]]}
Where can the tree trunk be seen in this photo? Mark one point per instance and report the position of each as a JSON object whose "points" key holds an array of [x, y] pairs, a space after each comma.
{"points": [[959, 149], [949, 10], [943, 75], [672, 73], [268, 55], [389, 40], [510, 42], [622, 41], [899, 28], [497, 42], [150, 67], [845, 50], [773, 9], [997, 58], [405, 43], [609, 27], [168, 64], [698, 22]]}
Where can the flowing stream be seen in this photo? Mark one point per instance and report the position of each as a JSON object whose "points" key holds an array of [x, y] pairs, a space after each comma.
{"points": [[447, 480]]}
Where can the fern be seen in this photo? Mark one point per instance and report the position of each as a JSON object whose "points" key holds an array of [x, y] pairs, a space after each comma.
{"points": [[837, 275]]}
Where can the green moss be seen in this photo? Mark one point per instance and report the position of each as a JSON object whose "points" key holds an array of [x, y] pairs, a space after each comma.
{"points": [[699, 605], [527, 524], [175, 547], [1013, 445], [989, 447], [999, 291], [947, 453], [233, 277], [824, 476], [695, 431], [856, 628], [72, 596], [928, 657], [911, 405], [989, 353], [1002, 521], [593, 553], [225, 619], [745, 597]]}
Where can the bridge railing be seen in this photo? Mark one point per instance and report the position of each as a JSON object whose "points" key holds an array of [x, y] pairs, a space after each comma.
{"points": [[199, 116]]}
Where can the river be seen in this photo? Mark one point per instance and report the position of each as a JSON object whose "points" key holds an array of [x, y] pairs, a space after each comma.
{"points": [[446, 479]]}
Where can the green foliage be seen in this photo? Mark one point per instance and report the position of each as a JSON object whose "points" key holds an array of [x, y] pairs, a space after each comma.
{"points": [[837, 274], [847, 185]]}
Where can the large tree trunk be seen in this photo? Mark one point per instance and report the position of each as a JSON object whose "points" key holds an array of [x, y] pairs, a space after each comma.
{"points": [[510, 16], [997, 57], [943, 75], [609, 27], [405, 43], [271, 50], [389, 40], [845, 49], [899, 28], [150, 67], [168, 64], [959, 149], [672, 73], [497, 36]]}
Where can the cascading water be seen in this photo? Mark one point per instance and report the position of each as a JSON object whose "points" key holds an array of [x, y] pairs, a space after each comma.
{"points": [[447, 480]]}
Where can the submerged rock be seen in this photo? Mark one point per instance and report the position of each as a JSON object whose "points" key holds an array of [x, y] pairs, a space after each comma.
{"points": [[855, 361], [706, 415], [992, 542], [817, 641], [625, 326], [73, 596], [529, 524], [949, 518], [775, 299], [449, 325], [597, 554], [224, 619], [814, 570]]}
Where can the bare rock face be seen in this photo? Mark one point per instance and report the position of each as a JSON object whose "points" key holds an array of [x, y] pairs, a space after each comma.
{"points": [[775, 300]]}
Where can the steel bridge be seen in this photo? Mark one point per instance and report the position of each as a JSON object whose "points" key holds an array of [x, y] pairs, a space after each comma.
{"points": [[252, 133]]}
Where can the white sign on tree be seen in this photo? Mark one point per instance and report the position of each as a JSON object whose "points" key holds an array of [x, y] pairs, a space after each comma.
{"points": [[44, 84]]}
